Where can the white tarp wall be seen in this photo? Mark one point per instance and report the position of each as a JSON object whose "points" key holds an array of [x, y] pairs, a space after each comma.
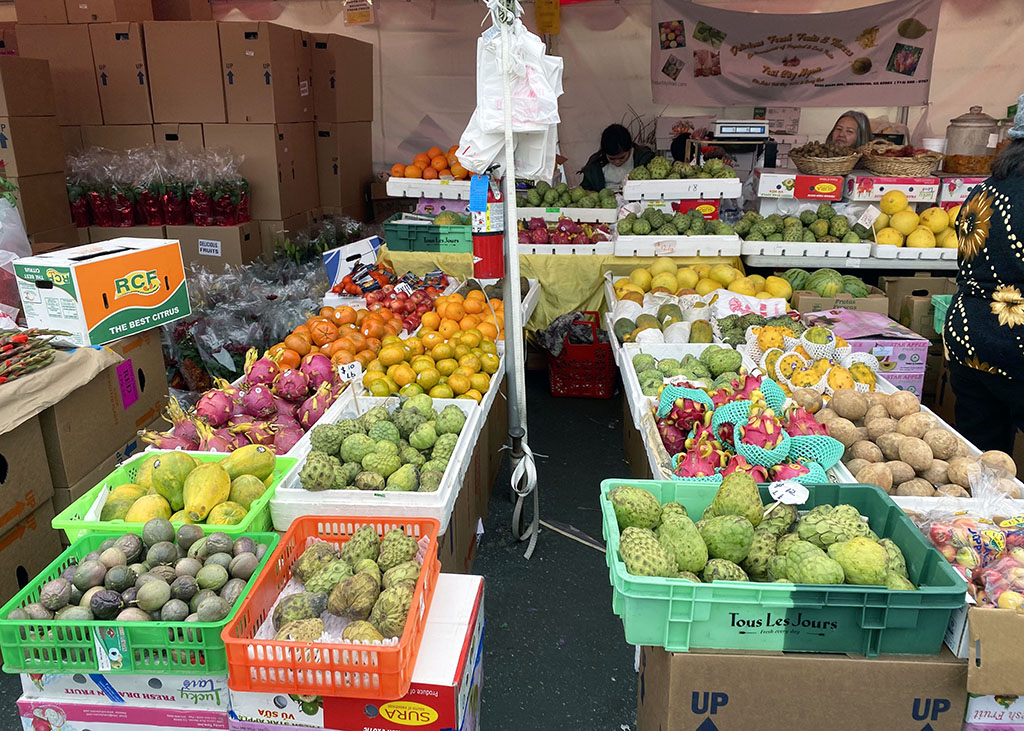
{"points": [[426, 55]]}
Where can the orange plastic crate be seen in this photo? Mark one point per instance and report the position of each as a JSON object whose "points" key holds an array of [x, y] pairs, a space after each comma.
{"points": [[331, 669]]}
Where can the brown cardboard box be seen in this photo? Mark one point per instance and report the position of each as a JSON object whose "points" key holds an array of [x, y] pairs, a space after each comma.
{"points": [[71, 139], [945, 400], [25, 480], [58, 238], [43, 202], [993, 666], [8, 40], [279, 163], [917, 313], [40, 11], [897, 288], [189, 136], [457, 545], [95, 420], [102, 233], [214, 246], [261, 79], [304, 59], [118, 136], [728, 691], [271, 231], [183, 58], [344, 162], [68, 48], [342, 79], [182, 10], [31, 146], [84, 237], [121, 73], [26, 89], [383, 206], [108, 11], [27, 549], [876, 301]]}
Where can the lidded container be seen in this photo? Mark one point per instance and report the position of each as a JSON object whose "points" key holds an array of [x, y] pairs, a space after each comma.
{"points": [[971, 141]]}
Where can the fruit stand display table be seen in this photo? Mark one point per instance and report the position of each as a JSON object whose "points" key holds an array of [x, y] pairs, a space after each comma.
{"points": [[567, 282], [870, 262]]}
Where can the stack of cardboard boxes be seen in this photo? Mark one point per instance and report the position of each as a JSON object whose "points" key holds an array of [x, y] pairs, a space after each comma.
{"points": [[131, 73]]}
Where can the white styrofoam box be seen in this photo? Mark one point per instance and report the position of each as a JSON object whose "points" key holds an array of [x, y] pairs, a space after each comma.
{"points": [[799, 248], [616, 345], [586, 215], [862, 185], [687, 189], [418, 188], [602, 248], [291, 501], [887, 251], [730, 245], [955, 188], [359, 303], [202, 692]]}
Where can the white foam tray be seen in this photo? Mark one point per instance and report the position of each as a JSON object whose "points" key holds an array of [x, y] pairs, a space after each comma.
{"points": [[688, 189], [291, 501], [586, 215], [885, 251], [418, 188], [799, 248], [678, 245], [603, 248]]}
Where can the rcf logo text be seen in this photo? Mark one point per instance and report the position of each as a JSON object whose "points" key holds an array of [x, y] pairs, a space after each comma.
{"points": [[140, 282]]}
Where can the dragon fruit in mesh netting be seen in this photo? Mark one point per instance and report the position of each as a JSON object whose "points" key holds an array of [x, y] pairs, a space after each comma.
{"points": [[539, 236], [789, 470], [702, 461], [800, 422], [685, 413], [739, 463], [673, 439], [763, 429]]}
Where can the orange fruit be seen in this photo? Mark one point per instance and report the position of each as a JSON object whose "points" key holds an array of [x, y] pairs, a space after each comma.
{"points": [[476, 294], [447, 366], [380, 388], [441, 391], [398, 170], [469, 322], [429, 174], [459, 172], [414, 171], [423, 160], [414, 346], [488, 330], [391, 340], [434, 151], [489, 363], [461, 351], [431, 340], [431, 320], [428, 378], [439, 163], [442, 351], [345, 315], [480, 382], [421, 363], [392, 384], [459, 383], [446, 173], [488, 346], [371, 376], [452, 149], [391, 354], [473, 394], [404, 375], [448, 328], [454, 311], [366, 357], [410, 389], [474, 305], [299, 343], [471, 338]]}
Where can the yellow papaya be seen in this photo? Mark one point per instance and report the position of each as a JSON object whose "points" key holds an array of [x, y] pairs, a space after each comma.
{"points": [[246, 489], [252, 459], [180, 517], [146, 508], [169, 473], [228, 513], [144, 474], [206, 486], [126, 492], [115, 509]]}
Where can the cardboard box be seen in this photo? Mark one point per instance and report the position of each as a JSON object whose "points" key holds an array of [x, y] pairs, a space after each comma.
{"points": [[40, 11], [342, 79], [64, 496], [68, 49], [214, 246], [261, 74], [304, 59], [9, 40], [30, 146], [105, 291], [108, 11], [807, 301], [456, 547], [182, 10], [446, 682], [918, 314], [279, 163], [781, 183], [344, 162], [726, 690], [92, 422], [121, 74], [273, 231], [996, 636], [913, 382], [26, 549], [104, 716], [25, 481], [955, 188], [864, 186], [183, 58], [26, 89], [141, 690], [42, 201], [189, 136], [71, 139], [105, 233], [898, 349], [994, 713], [896, 288], [118, 136], [58, 238]]}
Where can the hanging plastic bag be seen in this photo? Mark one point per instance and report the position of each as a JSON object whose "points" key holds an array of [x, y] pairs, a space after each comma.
{"points": [[13, 245], [534, 101]]}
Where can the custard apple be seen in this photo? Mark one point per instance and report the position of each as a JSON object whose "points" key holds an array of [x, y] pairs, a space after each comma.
{"points": [[317, 473], [898, 582], [396, 548], [411, 455], [895, 561], [682, 541], [355, 447], [329, 576], [444, 446], [349, 427], [430, 480], [363, 544], [354, 597], [863, 560], [738, 494], [383, 464], [450, 421], [326, 438], [408, 571], [423, 437], [407, 420], [643, 554], [361, 631], [384, 431], [404, 479], [345, 475], [762, 551], [808, 564], [369, 481], [635, 507], [728, 537], [719, 569], [391, 610], [371, 417]]}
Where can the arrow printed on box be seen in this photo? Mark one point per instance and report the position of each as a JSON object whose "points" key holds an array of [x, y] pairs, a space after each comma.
{"points": [[707, 725], [266, 76], [14, 512], [103, 78], [332, 82], [142, 79], [3, 142], [335, 168], [231, 77]]}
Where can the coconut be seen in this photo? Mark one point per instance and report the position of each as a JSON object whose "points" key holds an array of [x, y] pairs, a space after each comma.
{"points": [[917, 487], [938, 473], [951, 490], [943, 442], [843, 430], [956, 471], [807, 399], [889, 444], [825, 416], [902, 403], [878, 427], [876, 412], [849, 404], [901, 471], [998, 460], [855, 465]]}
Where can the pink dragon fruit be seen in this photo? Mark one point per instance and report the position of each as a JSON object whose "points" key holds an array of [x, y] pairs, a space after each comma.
{"points": [[801, 422], [314, 407], [287, 437], [181, 423], [673, 439], [560, 238], [739, 463], [722, 396], [789, 470], [258, 432], [536, 223], [567, 225], [166, 440], [582, 240], [685, 413], [763, 429], [282, 419], [524, 237], [539, 236], [318, 369], [239, 419], [211, 442], [744, 387], [292, 385], [702, 432], [704, 461], [230, 389], [727, 432], [215, 407], [286, 406], [259, 402], [259, 371], [237, 440]]}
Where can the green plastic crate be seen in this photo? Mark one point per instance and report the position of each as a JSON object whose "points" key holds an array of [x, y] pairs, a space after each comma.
{"points": [[73, 521], [158, 648], [941, 304], [417, 237], [736, 615]]}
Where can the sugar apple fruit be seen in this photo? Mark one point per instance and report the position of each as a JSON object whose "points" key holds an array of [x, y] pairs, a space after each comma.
{"points": [[423, 437], [635, 507], [728, 537], [355, 447], [864, 562], [383, 464], [404, 479], [643, 554], [738, 495], [384, 431], [326, 438], [371, 417], [808, 564], [719, 569], [317, 473], [444, 446], [396, 548], [450, 421], [683, 542], [392, 610]]}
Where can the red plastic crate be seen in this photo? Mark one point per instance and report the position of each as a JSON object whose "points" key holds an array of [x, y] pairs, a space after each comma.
{"points": [[332, 669], [583, 371]]}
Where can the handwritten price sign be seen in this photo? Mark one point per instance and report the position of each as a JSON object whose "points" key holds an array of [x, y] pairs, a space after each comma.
{"points": [[350, 371]]}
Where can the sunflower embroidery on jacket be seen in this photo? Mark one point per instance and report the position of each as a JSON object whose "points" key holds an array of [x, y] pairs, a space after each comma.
{"points": [[973, 224], [1008, 305], [973, 362]]}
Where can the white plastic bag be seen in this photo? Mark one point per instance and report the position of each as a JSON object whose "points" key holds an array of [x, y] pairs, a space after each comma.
{"points": [[534, 101], [13, 245]]}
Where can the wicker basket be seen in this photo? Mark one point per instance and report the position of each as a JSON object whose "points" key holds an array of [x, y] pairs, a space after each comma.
{"points": [[923, 163], [824, 165]]}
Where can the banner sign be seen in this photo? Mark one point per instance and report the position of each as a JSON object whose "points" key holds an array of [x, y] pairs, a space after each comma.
{"points": [[878, 56]]}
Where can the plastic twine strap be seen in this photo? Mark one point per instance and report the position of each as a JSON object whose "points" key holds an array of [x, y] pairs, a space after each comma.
{"points": [[670, 393], [760, 455], [817, 448]]}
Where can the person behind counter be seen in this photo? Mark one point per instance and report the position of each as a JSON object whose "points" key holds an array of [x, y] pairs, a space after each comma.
{"points": [[852, 129], [610, 166]]}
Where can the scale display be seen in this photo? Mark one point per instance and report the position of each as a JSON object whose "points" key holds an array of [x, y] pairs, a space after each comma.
{"points": [[743, 129]]}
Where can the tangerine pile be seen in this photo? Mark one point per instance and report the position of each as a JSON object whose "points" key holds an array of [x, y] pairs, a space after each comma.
{"points": [[433, 164], [454, 313], [343, 334]]}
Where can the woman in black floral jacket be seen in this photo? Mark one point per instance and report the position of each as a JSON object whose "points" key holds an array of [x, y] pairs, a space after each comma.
{"points": [[984, 331]]}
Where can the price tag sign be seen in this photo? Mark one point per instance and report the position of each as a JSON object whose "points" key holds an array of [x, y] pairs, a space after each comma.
{"points": [[666, 247], [788, 492], [350, 371], [403, 287], [869, 216]]}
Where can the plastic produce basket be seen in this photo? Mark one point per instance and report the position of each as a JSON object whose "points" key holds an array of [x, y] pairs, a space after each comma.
{"points": [[158, 648], [427, 237], [941, 304], [338, 669], [736, 615], [82, 516], [583, 371]]}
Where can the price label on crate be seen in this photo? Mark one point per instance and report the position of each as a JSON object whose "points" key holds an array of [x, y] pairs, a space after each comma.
{"points": [[868, 218], [788, 492], [403, 287], [666, 247], [112, 652], [350, 371]]}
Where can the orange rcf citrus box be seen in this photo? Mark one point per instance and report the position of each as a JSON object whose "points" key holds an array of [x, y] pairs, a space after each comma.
{"points": [[105, 291]]}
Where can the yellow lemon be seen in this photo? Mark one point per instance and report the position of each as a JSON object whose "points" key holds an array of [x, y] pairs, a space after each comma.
{"points": [[703, 270], [893, 202], [758, 281], [778, 287], [663, 266], [664, 282], [704, 286], [935, 220], [904, 222], [947, 239], [641, 278], [743, 285], [889, 237], [921, 238], [724, 274], [687, 278]]}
